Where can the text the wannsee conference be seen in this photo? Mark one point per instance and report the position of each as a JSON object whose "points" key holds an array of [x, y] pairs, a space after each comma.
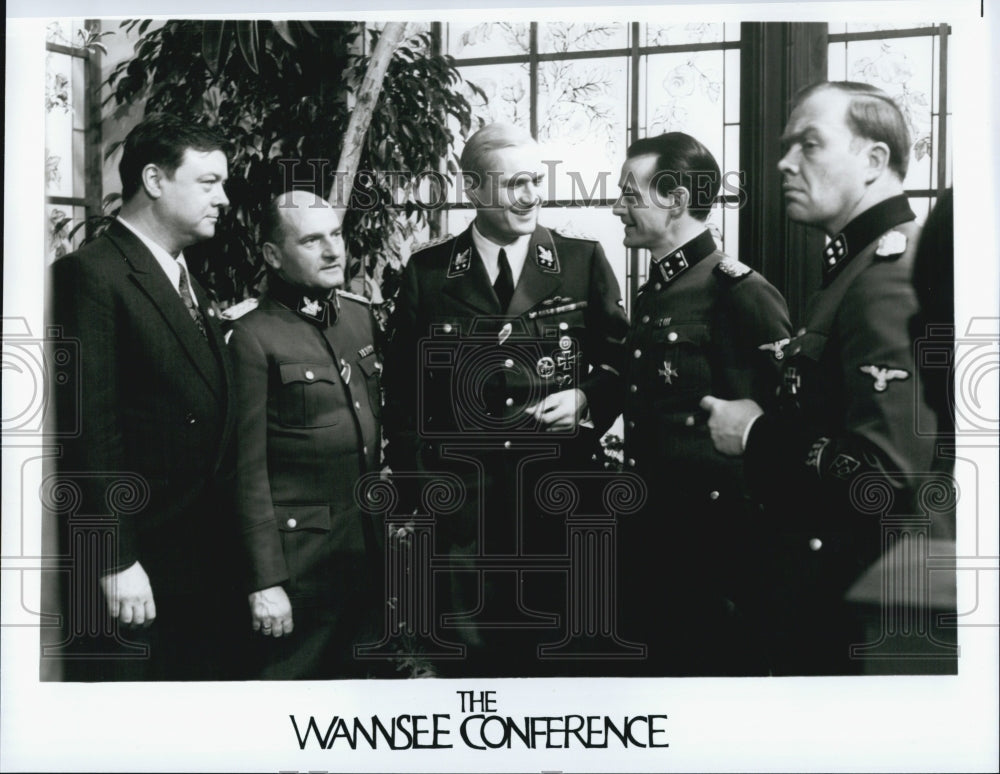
{"points": [[480, 727]]}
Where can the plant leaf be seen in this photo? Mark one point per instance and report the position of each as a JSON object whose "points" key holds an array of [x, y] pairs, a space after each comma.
{"points": [[246, 36], [214, 44]]}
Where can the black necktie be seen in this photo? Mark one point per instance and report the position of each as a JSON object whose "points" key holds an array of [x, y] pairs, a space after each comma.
{"points": [[504, 285], [184, 286]]}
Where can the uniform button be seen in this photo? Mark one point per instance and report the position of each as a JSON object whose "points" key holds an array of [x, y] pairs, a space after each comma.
{"points": [[508, 363], [631, 424], [563, 326], [713, 495], [593, 457], [631, 462], [657, 286], [364, 450], [801, 332], [357, 404], [190, 419], [292, 523], [637, 354], [310, 375], [689, 421], [633, 388], [672, 336], [447, 328], [815, 544], [506, 444], [509, 401], [211, 312], [645, 319]]}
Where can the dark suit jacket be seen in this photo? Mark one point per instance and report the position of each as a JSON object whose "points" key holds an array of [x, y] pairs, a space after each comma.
{"points": [[153, 400]]}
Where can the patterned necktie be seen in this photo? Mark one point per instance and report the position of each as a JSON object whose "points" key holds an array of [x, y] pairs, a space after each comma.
{"points": [[504, 285], [184, 286]]}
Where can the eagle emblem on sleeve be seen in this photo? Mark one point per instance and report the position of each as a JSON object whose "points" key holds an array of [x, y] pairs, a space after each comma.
{"points": [[883, 376], [777, 347]]}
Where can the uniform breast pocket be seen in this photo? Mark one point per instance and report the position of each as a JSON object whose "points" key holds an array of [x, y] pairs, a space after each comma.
{"points": [[309, 395], [679, 359], [371, 367]]}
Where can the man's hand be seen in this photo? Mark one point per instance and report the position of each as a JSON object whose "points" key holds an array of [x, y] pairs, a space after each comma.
{"points": [[129, 596], [729, 421], [560, 410], [271, 612]]}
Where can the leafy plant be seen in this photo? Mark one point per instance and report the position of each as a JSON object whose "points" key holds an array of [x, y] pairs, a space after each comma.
{"points": [[282, 92]]}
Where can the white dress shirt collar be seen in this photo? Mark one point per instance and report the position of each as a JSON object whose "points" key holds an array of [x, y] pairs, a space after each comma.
{"points": [[517, 252], [167, 262]]}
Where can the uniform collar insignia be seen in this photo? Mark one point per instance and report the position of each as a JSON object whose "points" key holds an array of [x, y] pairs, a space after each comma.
{"points": [[874, 222], [671, 266], [310, 306], [460, 262], [834, 253], [305, 302], [547, 259]]}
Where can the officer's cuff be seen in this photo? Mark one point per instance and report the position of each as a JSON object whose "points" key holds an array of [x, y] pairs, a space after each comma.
{"points": [[746, 432]]}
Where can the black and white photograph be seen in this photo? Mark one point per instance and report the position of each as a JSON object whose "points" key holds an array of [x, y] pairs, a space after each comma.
{"points": [[481, 390]]}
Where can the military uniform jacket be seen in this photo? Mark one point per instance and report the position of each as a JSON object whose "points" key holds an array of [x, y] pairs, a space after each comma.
{"points": [[698, 328], [459, 367], [848, 407], [308, 425]]}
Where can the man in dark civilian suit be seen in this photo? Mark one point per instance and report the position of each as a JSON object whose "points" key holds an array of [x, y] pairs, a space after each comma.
{"points": [[155, 414], [308, 399], [503, 365]]}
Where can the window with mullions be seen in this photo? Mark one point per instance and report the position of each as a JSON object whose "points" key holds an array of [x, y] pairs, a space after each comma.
{"points": [[910, 63], [587, 90], [72, 132]]}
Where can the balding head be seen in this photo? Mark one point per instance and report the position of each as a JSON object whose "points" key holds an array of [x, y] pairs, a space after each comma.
{"points": [[302, 240]]}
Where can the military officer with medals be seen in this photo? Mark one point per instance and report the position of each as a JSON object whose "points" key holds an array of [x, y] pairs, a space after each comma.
{"points": [[308, 400], [699, 325], [838, 448], [503, 365]]}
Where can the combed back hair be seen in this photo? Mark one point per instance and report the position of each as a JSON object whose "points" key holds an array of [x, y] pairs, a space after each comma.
{"points": [[872, 115], [476, 156], [682, 161], [162, 139]]}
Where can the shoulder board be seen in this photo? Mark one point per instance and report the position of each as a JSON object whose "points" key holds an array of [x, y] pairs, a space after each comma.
{"points": [[891, 244], [565, 234], [354, 297], [431, 243], [732, 271], [236, 311]]}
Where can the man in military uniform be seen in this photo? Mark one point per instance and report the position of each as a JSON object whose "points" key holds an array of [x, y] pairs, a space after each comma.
{"points": [[837, 449], [308, 423], [700, 324], [503, 365]]}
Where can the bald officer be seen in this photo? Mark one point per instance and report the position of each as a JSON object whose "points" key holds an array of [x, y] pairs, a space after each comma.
{"points": [[308, 426]]}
